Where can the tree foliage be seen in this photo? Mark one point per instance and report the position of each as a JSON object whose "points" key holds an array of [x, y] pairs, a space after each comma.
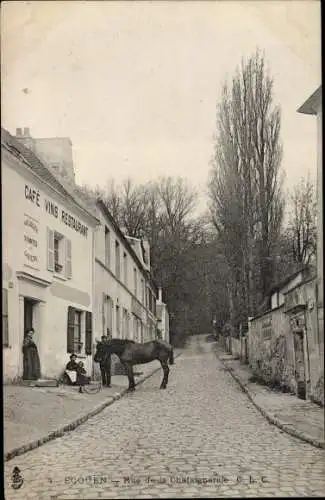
{"points": [[302, 222], [246, 200], [163, 212]]}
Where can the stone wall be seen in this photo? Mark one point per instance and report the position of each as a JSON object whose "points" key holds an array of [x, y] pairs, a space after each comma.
{"points": [[236, 347], [315, 343], [271, 345], [270, 348]]}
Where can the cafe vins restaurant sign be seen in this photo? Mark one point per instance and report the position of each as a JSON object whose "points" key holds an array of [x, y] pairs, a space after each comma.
{"points": [[35, 197]]}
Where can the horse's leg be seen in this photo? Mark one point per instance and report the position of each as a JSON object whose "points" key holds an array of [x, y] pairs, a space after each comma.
{"points": [[108, 376], [165, 367], [109, 372], [103, 373], [130, 375]]}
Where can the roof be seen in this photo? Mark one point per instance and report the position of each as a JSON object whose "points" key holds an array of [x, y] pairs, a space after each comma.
{"points": [[305, 270], [310, 107], [39, 167]]}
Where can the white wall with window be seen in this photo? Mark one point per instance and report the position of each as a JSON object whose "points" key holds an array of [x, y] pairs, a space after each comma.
{"points": [[125, 268], [135, 282], [107, 247], [125, 281], [48, 265]]}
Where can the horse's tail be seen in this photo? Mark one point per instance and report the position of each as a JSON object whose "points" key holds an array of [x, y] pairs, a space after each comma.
{"points": [[171, 356]]}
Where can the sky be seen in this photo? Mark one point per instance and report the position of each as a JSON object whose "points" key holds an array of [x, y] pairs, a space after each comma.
{"points": [[135, 84]]}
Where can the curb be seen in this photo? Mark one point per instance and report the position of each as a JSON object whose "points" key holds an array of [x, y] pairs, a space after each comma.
{"points": [[271, 418], [74, 423]]}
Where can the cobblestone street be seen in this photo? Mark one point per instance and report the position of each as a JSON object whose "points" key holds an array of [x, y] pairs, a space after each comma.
{"points": [[200, 438]]}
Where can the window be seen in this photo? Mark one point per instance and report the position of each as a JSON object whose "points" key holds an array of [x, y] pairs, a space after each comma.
{"points": [[58, 263], [118, 321], [128, 325], [79, 331], [142, 291], [107, 314], [125, 333], [134, 327], [117, 260], [150, 300], [125, 268], [59, 254], [107, 247], [135, 281], [89, 334], [5, 332]]}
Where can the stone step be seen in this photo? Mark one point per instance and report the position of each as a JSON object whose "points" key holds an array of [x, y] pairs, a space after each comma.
{"points": [[39, 383]]}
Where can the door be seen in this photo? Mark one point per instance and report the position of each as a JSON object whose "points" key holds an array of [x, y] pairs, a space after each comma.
{"points": [[300, 365], [29, 306], [298, 327]]}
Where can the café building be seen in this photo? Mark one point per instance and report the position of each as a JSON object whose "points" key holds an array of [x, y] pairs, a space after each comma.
{"points": [[47, 260]]}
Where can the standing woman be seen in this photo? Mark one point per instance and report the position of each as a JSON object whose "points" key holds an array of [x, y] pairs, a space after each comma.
{"points": [[31, 361]]}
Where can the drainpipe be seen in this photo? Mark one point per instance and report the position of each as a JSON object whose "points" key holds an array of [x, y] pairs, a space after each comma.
{"points": [[93, 291], [307, 361]]}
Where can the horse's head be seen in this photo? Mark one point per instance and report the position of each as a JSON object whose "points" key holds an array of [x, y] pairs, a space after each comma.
{"points": [[102, 349]]}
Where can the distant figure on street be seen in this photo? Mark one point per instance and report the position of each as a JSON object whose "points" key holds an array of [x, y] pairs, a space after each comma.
{"points": [[105, 364], [31, 361]]}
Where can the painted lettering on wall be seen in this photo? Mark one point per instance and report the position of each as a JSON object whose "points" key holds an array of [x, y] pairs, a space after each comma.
{"points": [[31, 244], [51, 208], [32, 194], [70, 221]]}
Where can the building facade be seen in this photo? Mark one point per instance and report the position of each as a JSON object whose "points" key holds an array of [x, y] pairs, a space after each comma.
{"points": [[48, 262], [286, 344], [313, 106], [278, 292], [125, 295], [162, 318]]}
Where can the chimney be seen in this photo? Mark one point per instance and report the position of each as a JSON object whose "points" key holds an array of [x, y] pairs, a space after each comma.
{"points": [[160, 294], [23, 135]]}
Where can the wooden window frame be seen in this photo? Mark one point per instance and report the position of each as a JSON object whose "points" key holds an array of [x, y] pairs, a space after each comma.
{"points": [[5, 318], [107, 247]]}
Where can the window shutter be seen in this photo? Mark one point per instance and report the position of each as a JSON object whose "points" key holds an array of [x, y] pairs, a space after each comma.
{"points": [[68, 263], [70, 330], [104, 308], [50, 249], [89, 333], [5, 333]]}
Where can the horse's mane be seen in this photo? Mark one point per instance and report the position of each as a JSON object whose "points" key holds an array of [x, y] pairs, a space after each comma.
{"points": [[121, 341]]}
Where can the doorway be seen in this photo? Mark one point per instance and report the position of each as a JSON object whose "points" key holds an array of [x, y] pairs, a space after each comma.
{"points": [[29, 313], [298, 329], [300, 365]]}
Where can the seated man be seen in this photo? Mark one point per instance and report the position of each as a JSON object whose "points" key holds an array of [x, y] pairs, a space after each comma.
{"points": [[76, 371], [71, 369]]}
